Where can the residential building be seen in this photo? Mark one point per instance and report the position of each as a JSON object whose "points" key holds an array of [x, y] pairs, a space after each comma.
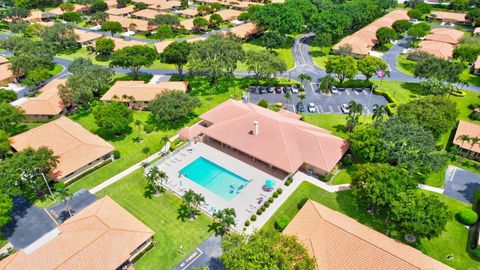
{"points": [[276, 139], [103, 236], [120, 11], [229, 14], [160, 46], [244, 31], [137, 94], [447, 35], [162, 5], [336, 241], [78, 149], [188, 13], [132, 24], [6, 75], [476, 32], [476, 66], [242, 5], [122, 43], [47, 105], [147, 14], [471, 130], [360, 43], [86, 37], [438, 49], [450, 17]]}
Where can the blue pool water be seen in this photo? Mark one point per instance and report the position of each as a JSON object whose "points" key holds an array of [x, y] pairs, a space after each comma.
{"points": [[216, 179]]}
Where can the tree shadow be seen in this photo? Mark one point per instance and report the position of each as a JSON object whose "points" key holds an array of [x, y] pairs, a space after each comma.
{"points": [[414, 88], [215, 227], [339, 128], [148, 192], [112, 137]]}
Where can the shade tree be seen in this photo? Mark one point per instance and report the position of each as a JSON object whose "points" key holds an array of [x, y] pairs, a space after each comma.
{"points": [[264, 64], [177, 53], [173, 107], [272, 40], [134, 58], [113, 118], [344, 67], [366, 145], [369, 65]]}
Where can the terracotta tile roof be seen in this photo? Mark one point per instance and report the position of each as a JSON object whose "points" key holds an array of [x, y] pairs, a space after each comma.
{"points": [[141, 25], [282, 141], [102, 236], [34, 16], [77, 8], [359, 45], [75, 145], [364, 39], [111, 3], [224, 3], [122, 43], [148, 13], [339, 242], [229, 14], [476, 31], [476, 65], [140, 90], [160, 46], [86, 36], [3, 60], [244, 30], [470, 129], [189, 12], [243, 4], [162, 4], [450, 16], [446, 35], [48, 102], [188, 24], [438, 49], [120, 11], [5, 72]]}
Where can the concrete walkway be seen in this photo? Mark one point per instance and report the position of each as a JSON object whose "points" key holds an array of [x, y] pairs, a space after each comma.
{"points": [[133, 168]]}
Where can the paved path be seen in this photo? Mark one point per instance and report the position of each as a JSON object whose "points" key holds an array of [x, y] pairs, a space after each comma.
{"points": [[206, 254]]}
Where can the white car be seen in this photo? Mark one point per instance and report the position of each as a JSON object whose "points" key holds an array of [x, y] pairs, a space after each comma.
{"points": [[294, 89], [333, 89], [345, 108], [311, 107]]}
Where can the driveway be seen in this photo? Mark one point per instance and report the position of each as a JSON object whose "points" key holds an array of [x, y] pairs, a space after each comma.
{"points": [[461, 185], [324, 103], [206, 254], [80, 200], [29, 223]]}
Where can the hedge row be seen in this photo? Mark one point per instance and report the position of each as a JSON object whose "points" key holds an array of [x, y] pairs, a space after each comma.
{"points": [[392, 105]]}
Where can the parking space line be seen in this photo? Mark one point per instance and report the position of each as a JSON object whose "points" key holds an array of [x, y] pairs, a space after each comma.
{"points": [[368, 111], [330, 107], [348, 92], [339, 109], [356, 92], [365, 92], [319, 108]]}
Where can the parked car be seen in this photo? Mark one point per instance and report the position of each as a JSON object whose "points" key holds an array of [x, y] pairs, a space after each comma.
{"points": [[294, 89], [287, 89], [252, 89], [271, 89], [263, 90], [333, 89], [311, 107], [345, 108], [414, 21], [279, 90], [341, 89], [300, 107]]}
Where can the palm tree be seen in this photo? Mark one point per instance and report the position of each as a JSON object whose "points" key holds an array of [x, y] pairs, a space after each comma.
{"points": [[198, 199], [64, 195], [146, 150], [464, 138], [190, 198], [225, 219], [379, 111], [304, 78], [302, 96], [355, 108], [155, 175], [473, 142], [138, 124]]}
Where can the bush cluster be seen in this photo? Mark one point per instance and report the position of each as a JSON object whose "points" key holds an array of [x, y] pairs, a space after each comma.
{"points": [[281, 223], [253, 217], [289, 181], [467, 217]]}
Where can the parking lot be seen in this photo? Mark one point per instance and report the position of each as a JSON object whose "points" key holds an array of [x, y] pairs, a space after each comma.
{"points": [[324, 103]]}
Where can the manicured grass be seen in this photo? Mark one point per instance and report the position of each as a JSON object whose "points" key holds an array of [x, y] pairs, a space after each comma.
{"points": [[404, 65], [342, 177], [160, 214], [469, 78], [130, 151], [285, 52], [453, 240], [3, 240], [332, 122], [56, 69]]}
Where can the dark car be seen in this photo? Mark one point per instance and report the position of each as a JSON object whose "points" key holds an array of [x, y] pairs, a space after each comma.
{"points": [[262, 90], [279, 89], [287, 89], [300, 107], [252, 89], [271, 89]]}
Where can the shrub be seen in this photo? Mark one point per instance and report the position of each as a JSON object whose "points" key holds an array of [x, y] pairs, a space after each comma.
{"points": [[253, 217], [279, 104], [266, 204], [289, 181], [148, 128], [263, 103], [275, 194], [259, 211], [282, 223], [347, 161], [302, 203], [279, 191], [116, 154], [476, 253], [270, 200], [247, 223], [467, 217], [476, 196], [263, 208]]}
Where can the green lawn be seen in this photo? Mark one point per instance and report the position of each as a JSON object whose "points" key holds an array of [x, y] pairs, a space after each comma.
{"points": [[452, 241], [56, 69], [3, 240], [285, 52], [404, 65], [160, 214], [332, 122], [342, 177]]}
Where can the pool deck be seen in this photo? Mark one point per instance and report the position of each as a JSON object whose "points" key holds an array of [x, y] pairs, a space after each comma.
{"points": [[245, 203]]}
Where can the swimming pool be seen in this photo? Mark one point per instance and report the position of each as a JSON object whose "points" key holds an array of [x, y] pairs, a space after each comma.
{"points": [[215, 178]]}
